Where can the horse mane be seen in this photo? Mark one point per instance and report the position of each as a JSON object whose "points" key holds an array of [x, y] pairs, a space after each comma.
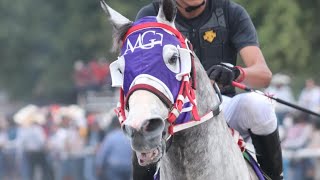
{"points": [[118, 34]]}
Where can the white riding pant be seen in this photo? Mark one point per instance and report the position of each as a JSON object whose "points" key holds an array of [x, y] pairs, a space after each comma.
{"points": [[250, 111]]}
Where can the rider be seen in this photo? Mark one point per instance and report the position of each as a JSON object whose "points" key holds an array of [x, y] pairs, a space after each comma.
{"points": [[218, 31]]}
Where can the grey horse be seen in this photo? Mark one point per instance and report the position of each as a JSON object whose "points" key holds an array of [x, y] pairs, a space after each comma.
{"points": [[206, 151]]}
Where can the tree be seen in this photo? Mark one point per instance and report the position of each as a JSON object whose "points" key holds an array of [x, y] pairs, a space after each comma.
{"points": [[40, 40]]}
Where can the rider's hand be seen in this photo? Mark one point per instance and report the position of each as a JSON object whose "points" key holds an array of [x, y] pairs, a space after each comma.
{"points": [[223, 73]]}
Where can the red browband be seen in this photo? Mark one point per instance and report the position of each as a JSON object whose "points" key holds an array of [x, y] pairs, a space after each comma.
{"points": [[156, 25]]}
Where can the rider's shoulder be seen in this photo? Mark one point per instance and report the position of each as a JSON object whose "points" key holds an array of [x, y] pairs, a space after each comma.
{"points": [[235, 10], [237, 16], [147, 10]]}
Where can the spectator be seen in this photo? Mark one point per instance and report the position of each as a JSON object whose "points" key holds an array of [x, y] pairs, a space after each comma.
{"points": [[90, 78], [298, 136], [95, 136], [3, 143], [11, 150], [104, 71], [81, 76], [99, 71], [280, 87], [56, 144], [315, 140], [315, 145], [310, 96], [114, 156], [94, 70], [68, 144], [32, 141]]}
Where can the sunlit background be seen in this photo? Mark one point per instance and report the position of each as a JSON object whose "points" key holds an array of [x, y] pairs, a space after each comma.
{"points": [[54, 75]]}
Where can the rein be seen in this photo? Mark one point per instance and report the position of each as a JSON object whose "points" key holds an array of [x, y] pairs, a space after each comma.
{"points": [[186, 92]]}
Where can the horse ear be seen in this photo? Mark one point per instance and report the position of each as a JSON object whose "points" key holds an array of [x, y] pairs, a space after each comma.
{"points": [[167, 11], [116, 18]]}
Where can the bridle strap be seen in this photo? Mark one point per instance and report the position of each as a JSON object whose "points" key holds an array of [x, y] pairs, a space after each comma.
{"points": [[156, 25], [120, 108], [206, 117], [193, 73], [151, 89], [173, 128]]}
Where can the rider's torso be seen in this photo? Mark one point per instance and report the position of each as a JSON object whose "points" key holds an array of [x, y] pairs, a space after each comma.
{"points": [[214, 34], [209, 34]]}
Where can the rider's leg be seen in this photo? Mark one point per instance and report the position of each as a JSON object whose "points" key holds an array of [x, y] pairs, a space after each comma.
{"points": [[268, 152], [255, 113]]}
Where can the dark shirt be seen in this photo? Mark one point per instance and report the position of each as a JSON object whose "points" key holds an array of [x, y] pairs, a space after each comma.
{"points": [[235, 32]]}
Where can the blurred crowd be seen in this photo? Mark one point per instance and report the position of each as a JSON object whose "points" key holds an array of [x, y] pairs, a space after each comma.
{"points": [[62, 143], [67, 142], [299, 131], [92, 75]]}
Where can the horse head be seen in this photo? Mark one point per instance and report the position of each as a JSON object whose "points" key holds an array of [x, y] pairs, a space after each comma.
{"points": [[154, 72]]}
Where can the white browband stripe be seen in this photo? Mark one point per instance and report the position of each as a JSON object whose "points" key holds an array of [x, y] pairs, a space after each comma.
{"points": [[190, 124], [187, 109]]}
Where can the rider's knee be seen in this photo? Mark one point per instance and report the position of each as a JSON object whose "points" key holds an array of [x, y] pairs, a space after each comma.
{"points": [[254, 103], [259, 112]]}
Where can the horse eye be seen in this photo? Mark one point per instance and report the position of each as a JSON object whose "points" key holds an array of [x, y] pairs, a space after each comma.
{"points": [[173, 59]]}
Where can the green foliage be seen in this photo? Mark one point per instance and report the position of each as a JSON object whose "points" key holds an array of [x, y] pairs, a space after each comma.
{"points": [[282, 39], [40, 40], [289, 36]]}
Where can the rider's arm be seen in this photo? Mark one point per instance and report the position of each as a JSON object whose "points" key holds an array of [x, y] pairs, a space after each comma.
{"points": [[245, 40], [258, 74]]}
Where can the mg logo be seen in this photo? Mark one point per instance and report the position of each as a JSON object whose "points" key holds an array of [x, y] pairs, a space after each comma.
{"points": [[147, 40]]}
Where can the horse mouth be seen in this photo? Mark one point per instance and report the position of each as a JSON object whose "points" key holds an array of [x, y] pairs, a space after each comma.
{"points": [[149, 157]]}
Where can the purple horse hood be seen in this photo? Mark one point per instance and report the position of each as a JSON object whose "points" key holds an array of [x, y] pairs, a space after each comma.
{"points": [[147, 51], [143, 54]]}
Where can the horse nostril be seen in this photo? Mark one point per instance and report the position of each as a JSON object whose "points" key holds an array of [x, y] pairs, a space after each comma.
{"points": [[127, 130], [153, 125]]}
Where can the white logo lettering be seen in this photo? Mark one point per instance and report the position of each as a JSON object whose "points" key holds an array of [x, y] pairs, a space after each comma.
{"points": [[143, 43]]}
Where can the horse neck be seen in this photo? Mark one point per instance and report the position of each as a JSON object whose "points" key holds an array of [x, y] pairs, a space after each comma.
{"points": [[196, 153]]}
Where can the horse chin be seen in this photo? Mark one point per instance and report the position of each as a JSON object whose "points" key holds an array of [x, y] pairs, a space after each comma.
{"points": [[149, 157]]}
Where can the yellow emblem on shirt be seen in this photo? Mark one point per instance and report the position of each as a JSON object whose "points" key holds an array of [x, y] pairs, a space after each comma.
{"points": [[209, 36]]}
